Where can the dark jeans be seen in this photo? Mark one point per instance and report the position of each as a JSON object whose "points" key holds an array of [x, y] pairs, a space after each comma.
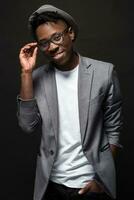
{"points": [[60, 192]]}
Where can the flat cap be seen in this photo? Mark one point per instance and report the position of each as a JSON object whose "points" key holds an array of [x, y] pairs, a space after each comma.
{"points": [[50, 8]]}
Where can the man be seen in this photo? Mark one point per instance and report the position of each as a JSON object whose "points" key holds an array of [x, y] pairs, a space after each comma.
{"points": [[77, 102]]}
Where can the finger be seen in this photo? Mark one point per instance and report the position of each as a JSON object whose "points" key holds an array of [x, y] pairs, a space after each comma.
{"points": [[35, 51], [28, 46], [84, 190], [31, 44], [29, 51]]}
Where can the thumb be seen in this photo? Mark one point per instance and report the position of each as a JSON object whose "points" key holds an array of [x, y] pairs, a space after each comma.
{"points": [[35, 51], [83, 190]]}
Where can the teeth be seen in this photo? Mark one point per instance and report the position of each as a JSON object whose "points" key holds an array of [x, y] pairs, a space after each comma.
{"points": [[57, 55]]}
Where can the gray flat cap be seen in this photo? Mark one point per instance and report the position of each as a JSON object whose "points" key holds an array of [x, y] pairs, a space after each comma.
{"points": [[50, 8]]}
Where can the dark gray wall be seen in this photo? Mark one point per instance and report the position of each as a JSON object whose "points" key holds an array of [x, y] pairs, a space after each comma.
{"points": [[106, 33]]}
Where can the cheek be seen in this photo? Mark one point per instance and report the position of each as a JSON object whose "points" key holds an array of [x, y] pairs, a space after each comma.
{"points": [[68, 44]]}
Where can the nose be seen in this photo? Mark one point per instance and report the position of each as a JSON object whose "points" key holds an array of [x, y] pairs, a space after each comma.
{"points": [[52, 46]]}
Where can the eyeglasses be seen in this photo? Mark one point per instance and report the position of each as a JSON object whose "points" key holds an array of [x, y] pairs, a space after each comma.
{"points": [[57, 38]]}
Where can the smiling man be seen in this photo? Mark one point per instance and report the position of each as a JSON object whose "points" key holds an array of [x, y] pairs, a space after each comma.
{"points": [[77, 102]]}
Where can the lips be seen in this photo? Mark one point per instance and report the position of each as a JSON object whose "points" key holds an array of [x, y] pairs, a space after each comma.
{"points": [[58, 55]]}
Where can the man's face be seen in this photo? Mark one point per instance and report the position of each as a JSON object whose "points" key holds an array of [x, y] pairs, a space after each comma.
{"points": [[57, 40]]}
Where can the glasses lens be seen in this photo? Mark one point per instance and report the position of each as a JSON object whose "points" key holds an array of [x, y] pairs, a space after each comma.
{"points": [[43, 45], [57, 39]]}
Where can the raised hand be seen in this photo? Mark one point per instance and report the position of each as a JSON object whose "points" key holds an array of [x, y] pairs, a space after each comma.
{"points": [[27, 56]]}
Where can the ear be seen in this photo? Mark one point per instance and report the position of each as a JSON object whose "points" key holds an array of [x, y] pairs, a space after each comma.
{"points": [[71, 33]]}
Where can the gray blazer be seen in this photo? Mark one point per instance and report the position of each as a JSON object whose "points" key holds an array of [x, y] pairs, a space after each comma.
{"points": [[100, 120]]}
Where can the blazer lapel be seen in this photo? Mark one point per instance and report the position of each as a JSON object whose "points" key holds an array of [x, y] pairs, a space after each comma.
{"points": [[84, 90], [50, 92]]}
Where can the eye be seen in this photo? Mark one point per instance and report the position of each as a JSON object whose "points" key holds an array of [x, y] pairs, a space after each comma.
{"points": [[57, 37], [43, 43]]}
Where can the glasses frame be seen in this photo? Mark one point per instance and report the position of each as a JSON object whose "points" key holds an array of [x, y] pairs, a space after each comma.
{"points": [[41, 44]]}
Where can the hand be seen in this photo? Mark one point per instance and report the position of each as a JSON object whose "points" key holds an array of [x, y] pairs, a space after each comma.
{"points": [[28, 56], [91, 186]]}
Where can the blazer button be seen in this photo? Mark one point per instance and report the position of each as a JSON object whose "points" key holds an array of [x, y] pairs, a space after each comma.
{"points": [[51, 152]]}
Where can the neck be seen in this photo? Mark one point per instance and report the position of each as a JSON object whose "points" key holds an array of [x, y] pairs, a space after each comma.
{"points": [[71, 64]]}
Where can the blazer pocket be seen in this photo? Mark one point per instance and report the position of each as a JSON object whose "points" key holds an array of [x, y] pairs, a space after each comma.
{"points": [[97, 99]]}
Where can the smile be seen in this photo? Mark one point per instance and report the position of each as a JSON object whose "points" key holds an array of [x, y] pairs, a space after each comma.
{"points": [[58, 55]]}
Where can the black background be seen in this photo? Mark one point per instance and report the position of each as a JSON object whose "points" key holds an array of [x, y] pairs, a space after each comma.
{"points": [[107, 34]]}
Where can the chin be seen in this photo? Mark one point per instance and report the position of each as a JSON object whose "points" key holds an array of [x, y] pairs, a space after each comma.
{"points": [[61, 61]]}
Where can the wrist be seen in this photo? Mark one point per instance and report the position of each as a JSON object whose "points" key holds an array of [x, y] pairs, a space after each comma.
{"points": [[26, 72]]}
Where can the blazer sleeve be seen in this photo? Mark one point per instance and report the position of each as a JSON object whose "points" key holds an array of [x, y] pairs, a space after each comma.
{"points": [[113, 108], [28, 114]]}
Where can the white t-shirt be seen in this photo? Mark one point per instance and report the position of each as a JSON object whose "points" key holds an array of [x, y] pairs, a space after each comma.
{"points": [[71, 167]]}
